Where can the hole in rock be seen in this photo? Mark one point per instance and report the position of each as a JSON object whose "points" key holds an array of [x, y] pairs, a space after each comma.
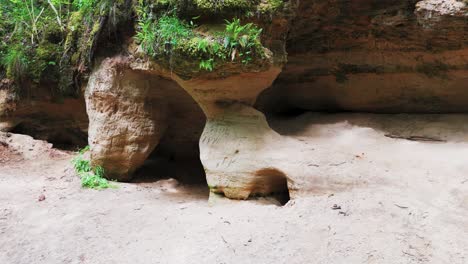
{"points": [[166, 165], [177, 154], [181, 176], [271, 184], [60, 137]]}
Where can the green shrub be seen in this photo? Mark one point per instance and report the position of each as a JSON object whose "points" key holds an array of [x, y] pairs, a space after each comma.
{"points": [[92, 178]]}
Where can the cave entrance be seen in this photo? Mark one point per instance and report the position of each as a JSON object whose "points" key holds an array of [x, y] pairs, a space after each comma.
{"points": [[177, 155], [272, 184], [68, 138]]}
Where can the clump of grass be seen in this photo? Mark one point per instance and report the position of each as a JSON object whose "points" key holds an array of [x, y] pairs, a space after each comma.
{"points": [[91, 177]]}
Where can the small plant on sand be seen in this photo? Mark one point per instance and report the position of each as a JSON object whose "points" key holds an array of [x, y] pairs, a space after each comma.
{"points": [[91, 177]]}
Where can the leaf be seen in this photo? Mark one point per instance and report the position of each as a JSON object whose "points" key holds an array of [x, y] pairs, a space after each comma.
{"points": [[233, 54], [243, 41], [227, 41]]}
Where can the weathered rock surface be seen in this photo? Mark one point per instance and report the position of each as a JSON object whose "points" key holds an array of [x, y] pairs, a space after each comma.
{"points": [[62, 122], [375, 56], [131, 112], [126, 118], [235, 142], [16, 147]]}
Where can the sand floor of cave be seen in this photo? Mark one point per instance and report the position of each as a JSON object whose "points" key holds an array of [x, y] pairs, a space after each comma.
{"points": [[414, 217]]}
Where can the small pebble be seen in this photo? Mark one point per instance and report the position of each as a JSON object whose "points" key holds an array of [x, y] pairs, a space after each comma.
{"points": [[41, 198]]}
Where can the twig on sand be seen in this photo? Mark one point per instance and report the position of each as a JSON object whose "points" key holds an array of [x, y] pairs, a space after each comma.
{"points": [[400, 206], [408, 254], [224, 240], [337, 164], [416, 138]]}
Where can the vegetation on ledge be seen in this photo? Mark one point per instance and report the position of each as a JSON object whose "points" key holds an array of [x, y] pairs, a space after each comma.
{"points": [[215, 7], [52, 41], [166, 37]]}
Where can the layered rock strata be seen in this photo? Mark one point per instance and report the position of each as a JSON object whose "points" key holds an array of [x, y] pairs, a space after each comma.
{"points": [[375, 56]]}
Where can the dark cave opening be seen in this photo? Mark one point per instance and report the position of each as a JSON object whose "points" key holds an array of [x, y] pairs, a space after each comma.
{"points": [[177, 155], [271, 183], [64, 138], [162, 165]]}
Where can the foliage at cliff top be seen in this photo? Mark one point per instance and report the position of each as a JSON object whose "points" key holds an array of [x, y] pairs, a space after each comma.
{"points": [[168, 38], [52, 40], [166, 33]]}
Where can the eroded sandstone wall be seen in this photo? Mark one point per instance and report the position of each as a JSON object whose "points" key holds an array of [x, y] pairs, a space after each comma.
{"points": [[43, 115], [131, 111], [375, 56]]}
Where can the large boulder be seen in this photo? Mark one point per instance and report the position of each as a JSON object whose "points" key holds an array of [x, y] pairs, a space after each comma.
{"points": [[127, 118]]}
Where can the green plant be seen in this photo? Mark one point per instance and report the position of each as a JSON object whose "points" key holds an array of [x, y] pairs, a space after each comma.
{"points": [[207, 65], [92, 178], [172, 30], [146, 35], [28, 13], [242, 40], [16, 63], [83, 4], [95, 179]]}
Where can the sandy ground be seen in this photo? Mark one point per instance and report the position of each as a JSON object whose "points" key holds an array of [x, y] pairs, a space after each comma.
{"points": [[418, 217]]}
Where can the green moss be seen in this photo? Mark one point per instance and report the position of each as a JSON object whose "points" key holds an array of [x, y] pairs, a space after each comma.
{"points": [[85, 28], [46, 60]]}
